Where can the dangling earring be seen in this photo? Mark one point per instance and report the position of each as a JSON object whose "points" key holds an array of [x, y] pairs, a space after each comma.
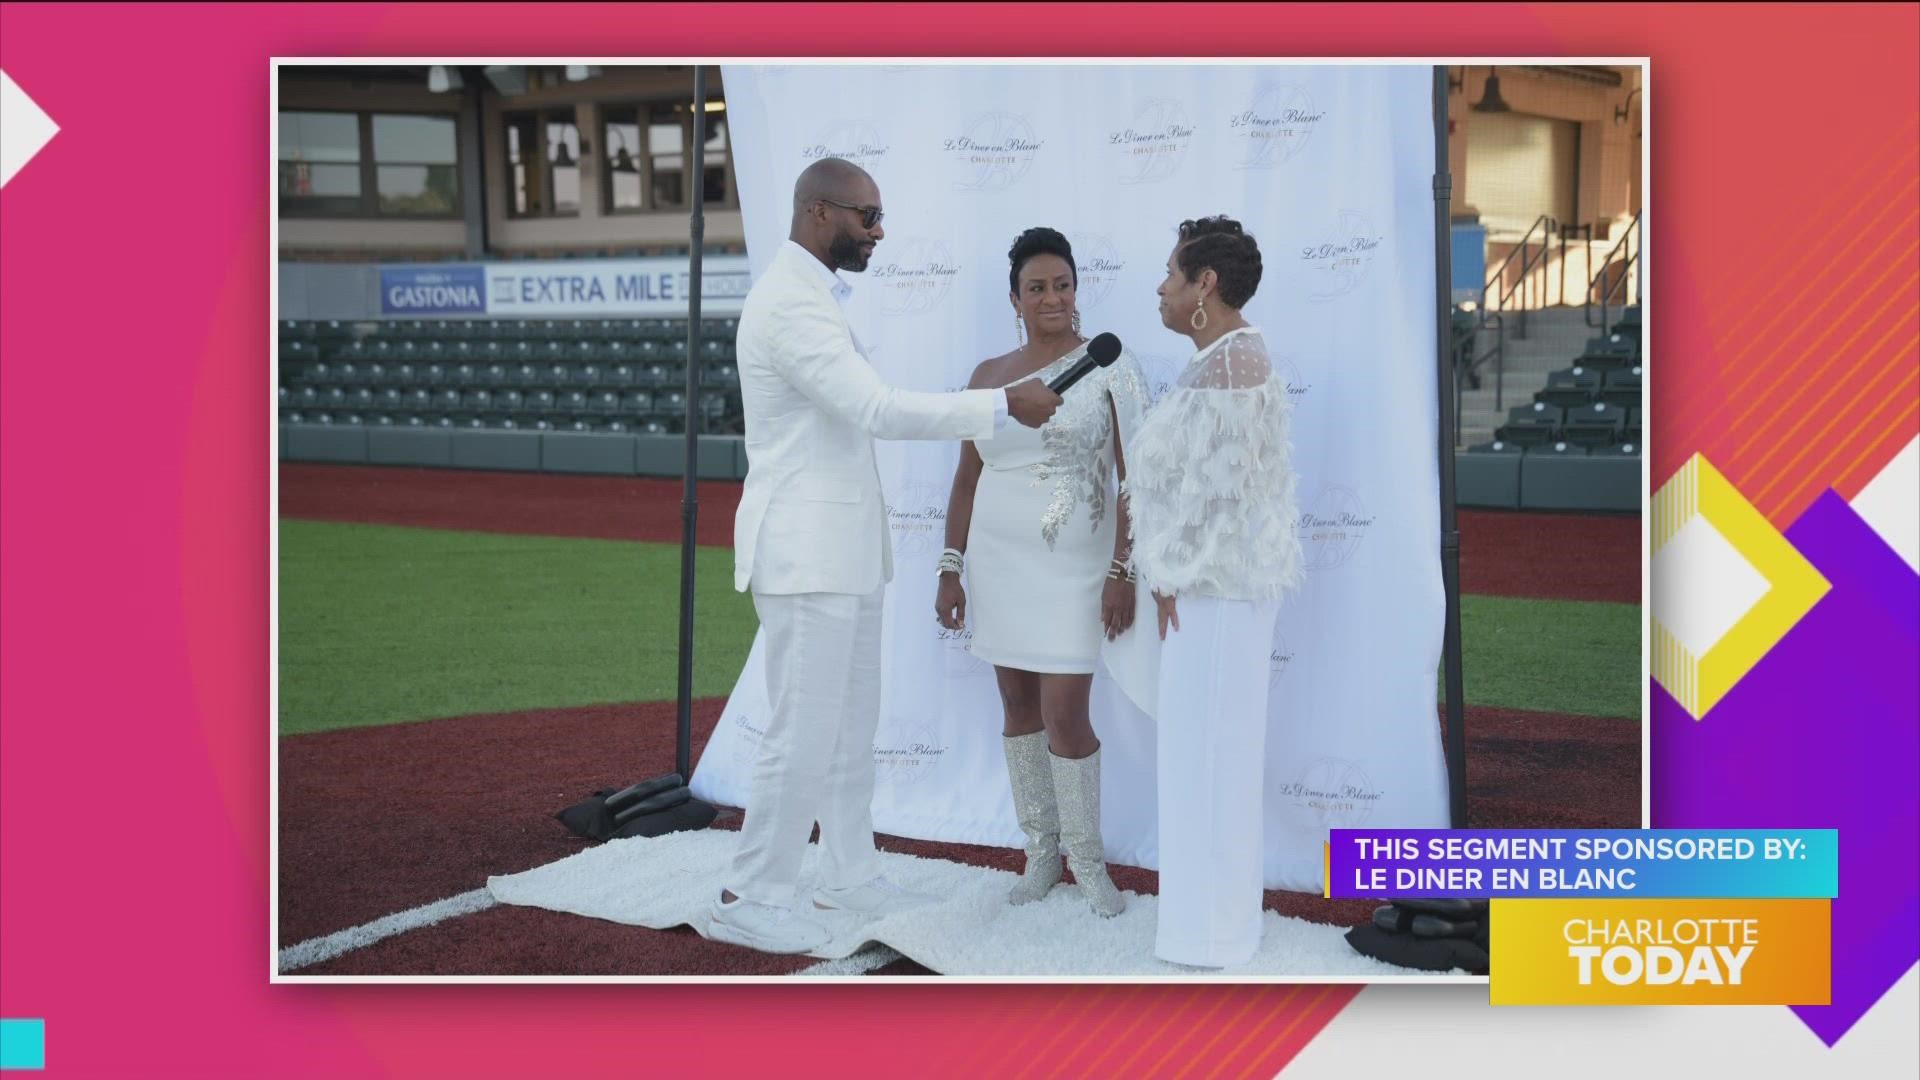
{"points": [[1076, 322], [1020, 329], [1199, 319]]}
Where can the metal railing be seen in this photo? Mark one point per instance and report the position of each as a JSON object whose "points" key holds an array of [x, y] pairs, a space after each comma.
{"points": [[1609, 284], [1497, 296], [1468, 360]]}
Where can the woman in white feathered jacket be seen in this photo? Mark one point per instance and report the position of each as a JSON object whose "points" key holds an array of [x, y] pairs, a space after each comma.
{"points": [[1210, 487]]}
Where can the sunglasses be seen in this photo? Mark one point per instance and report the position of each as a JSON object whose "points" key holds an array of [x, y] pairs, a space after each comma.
{"points": [[869, 215]]}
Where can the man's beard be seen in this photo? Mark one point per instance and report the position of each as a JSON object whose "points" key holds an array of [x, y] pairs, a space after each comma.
{"points": [[846, 253]]}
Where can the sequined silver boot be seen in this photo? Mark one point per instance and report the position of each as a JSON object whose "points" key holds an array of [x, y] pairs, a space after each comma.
{"points": [[1039, 816], [1076, 784]]}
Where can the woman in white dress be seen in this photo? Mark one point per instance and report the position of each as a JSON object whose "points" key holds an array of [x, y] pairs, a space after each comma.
{"points": [[1215, 540], [1034, 523]]}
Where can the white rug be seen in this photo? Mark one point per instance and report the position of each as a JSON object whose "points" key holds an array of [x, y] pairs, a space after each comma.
{"points": [[673, 880]]}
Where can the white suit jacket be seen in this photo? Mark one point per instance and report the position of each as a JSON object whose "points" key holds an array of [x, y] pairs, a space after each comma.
{"points": [[813, 517]]}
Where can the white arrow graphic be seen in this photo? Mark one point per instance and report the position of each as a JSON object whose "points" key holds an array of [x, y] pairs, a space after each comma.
{"points": [[24, 128]]}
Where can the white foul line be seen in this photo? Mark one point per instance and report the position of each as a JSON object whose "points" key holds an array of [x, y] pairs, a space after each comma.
{"points": [[320, 949]]}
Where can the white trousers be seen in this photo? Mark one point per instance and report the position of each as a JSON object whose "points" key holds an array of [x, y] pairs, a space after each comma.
{"points": [[815, 761], [1212, 723]]}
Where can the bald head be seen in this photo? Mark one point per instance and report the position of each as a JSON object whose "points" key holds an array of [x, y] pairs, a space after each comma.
{"points": [[832, 178], [831, 200]]}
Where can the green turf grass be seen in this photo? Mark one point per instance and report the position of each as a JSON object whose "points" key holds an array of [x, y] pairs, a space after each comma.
{"points": [[1559, 656], [380, 624]]}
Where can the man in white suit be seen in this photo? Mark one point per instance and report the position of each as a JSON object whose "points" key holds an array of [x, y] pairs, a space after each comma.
{"points": [[811, 542]]}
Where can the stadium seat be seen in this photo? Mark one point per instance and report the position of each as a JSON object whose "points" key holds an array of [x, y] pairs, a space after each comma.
{"points": [[361, 398], [723, 375], [393, 399], [1570, 387], [572, 401], [621, 376], [586, 375], [496, 376], [403, 375], [509, 402], [1497, 446], [539, 401], [1622, 388], [1531, 425], [636, 403], [1631, 432], [1628, 448], [558, 376], [1557, 448], [606, 402], [419, 399], [1610, 352], [525, 375], [476, 400], [434, 375], [464, 375], [295, 330], [447, 399], [1595, 425]]}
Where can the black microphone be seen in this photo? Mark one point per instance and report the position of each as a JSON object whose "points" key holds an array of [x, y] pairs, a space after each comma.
{"points": [[1101, 351]]}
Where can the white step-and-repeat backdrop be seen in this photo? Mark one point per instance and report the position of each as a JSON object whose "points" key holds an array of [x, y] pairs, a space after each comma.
{"points": [[1330, 168]]}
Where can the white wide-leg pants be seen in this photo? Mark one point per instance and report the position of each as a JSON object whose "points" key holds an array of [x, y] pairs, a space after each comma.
{"points": [[815, 760], [1212, 724]]}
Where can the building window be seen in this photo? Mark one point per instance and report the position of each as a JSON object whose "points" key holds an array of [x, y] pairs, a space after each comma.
{"points": [[543, 157], [346, 164], [320, 162], [646, 159], [417, 165]]}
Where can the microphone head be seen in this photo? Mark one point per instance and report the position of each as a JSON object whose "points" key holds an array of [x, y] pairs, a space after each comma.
{"points": [[1104, 349]]}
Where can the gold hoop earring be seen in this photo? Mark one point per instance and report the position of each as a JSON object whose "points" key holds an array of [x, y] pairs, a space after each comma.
{"points": [[1020, 329], [1199, 319], [1076, 323]]}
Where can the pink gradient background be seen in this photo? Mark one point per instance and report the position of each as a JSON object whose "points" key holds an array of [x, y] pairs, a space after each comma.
{"points": [[134, 721]]}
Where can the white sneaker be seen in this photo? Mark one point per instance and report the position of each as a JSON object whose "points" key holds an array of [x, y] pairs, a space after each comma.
{"points": [[869, 897], [765, 927]]}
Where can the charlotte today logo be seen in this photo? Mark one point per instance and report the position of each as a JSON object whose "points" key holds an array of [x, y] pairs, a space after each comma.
{"points": [[1153, 146], [1335, 791], [1340, 263], [1333, 526], [1276, 126], [916, 276], [858, 141], [993, 152], [1098, 266]]}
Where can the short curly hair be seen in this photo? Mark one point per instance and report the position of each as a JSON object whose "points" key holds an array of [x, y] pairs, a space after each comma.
{"points": [[1038, 240], [1221, 245]]}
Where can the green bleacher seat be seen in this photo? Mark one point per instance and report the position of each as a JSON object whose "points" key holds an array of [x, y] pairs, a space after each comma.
{"points": [[1595, 425], [1622, 388]]}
